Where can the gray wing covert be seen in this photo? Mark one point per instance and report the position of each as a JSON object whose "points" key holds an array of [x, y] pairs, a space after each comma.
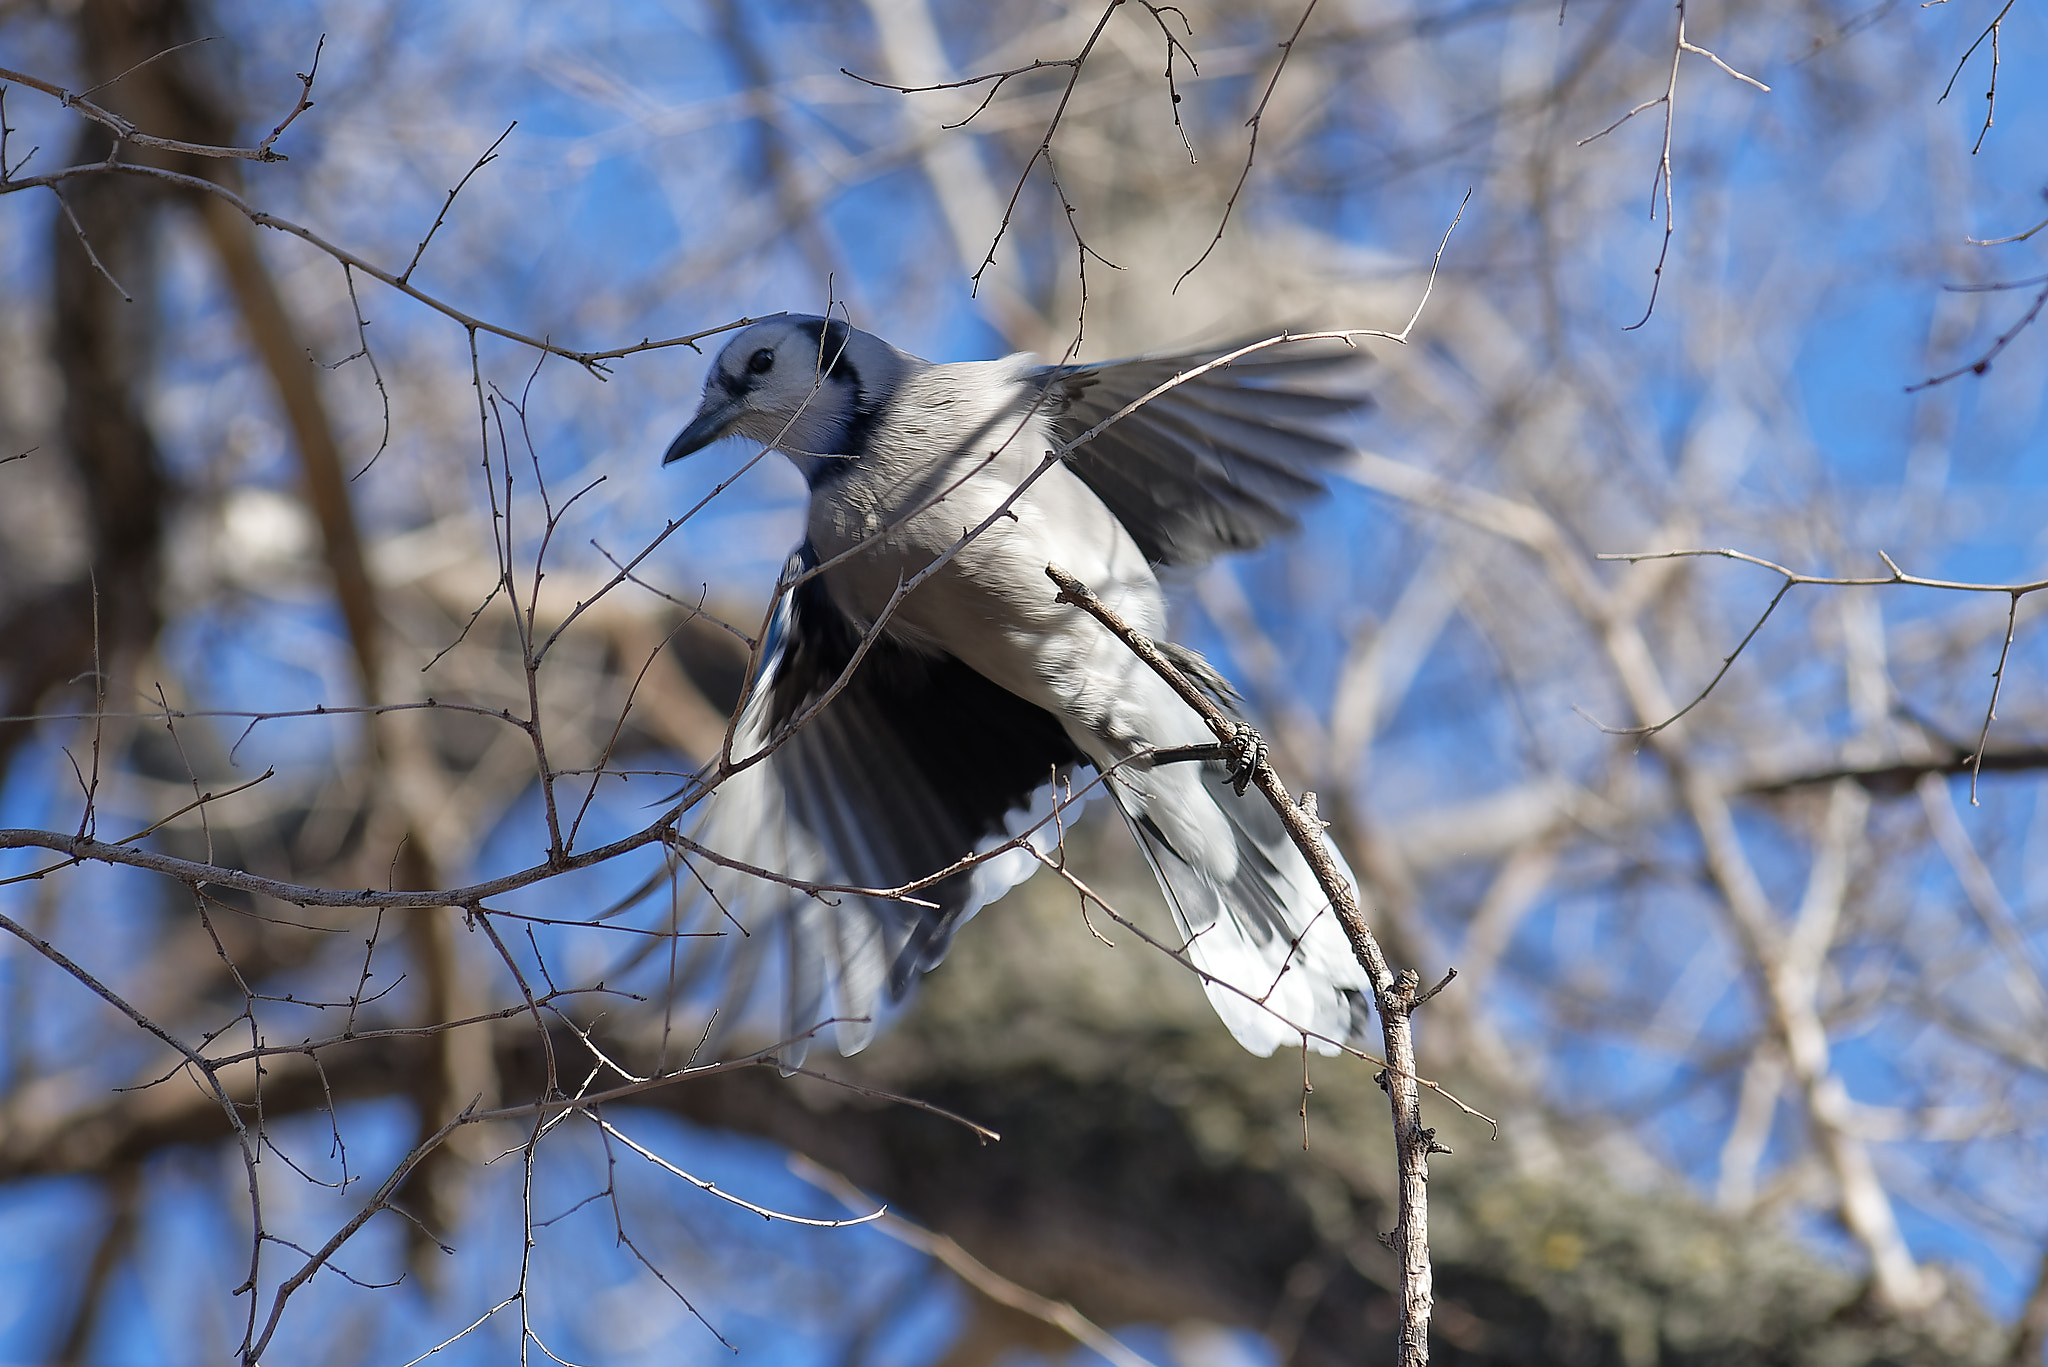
{"points": [[1216, 463]]}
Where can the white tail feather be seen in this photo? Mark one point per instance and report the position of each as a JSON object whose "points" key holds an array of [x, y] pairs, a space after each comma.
{"points": [[1276, 965]]}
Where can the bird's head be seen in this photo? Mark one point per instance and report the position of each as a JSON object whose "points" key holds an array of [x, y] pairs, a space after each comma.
{"points": [[807, 386]]}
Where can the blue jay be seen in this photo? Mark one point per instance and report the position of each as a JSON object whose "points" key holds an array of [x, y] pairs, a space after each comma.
{"points": [[980, 694]]}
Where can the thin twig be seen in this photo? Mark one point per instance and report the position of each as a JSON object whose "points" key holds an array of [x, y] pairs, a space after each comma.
{"points": [[1991, 31], [2003, 241], [363, 352], [592, 361], [126, 132], [1044, 148], [999, 77], [86, 242], [305, 97], [712, 1189], [1251, 151], [1175, 46], [2012, 613], [1662, 180], [153, 57], [490, 155], [1990, 353], [379, 1201], [971, 1270]]}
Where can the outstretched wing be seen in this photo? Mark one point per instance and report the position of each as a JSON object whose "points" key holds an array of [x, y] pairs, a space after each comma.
{"points": [[917, 763], [1216, 463]]}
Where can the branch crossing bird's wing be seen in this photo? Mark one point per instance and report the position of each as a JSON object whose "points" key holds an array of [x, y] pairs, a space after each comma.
{"points": [[917, 763], [1213, 464]]}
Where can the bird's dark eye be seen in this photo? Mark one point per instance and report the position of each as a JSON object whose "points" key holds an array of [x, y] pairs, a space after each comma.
{"points": [[760, 362]]}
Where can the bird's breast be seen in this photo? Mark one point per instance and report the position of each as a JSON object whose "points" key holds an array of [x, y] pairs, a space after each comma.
{"points": [[973, 538]]}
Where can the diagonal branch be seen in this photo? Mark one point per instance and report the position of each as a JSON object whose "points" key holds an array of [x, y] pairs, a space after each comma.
{"points": [[1396, 997], [592, 361], [972, 1270]]}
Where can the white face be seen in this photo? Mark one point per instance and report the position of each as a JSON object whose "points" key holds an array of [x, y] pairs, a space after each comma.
{"points": [[782, 371], [790, 382]]}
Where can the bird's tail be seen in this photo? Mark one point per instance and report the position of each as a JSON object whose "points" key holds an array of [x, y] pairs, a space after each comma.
{"points": [[1276, 965]]}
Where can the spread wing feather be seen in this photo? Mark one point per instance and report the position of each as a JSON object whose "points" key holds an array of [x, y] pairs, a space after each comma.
{"points": [[1213, 464], [917, 763]]}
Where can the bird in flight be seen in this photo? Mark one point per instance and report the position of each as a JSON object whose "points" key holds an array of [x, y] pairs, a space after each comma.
{"points": [[974, 697]]}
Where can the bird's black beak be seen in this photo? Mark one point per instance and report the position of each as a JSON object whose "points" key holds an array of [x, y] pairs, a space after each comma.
{"points": [[713, 420]]}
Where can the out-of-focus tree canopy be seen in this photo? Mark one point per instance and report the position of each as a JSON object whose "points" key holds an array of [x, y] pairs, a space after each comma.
{"points": [[334, 551]]}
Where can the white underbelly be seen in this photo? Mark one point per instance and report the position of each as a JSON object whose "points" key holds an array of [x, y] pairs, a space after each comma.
{"points": [[992, 607]]}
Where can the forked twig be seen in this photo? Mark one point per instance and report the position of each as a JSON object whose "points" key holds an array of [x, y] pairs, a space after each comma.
{"points": [[490, 155], [1991, 31], [2004, 339], [1792, 578], [1251, 151], [1680, 46]]}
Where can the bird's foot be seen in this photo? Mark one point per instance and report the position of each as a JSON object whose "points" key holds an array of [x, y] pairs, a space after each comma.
{"points": [[1246, 754], [1242, 756]]}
